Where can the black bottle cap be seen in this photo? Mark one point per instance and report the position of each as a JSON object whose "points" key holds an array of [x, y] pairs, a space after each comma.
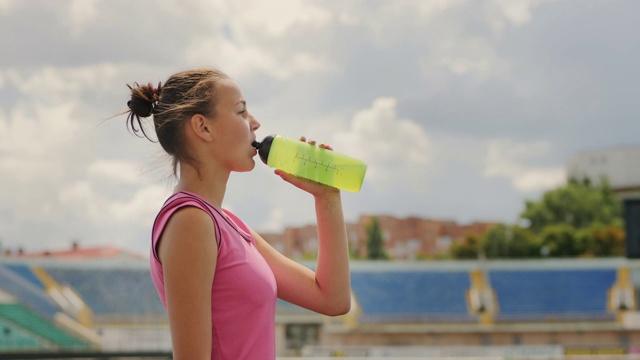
{"points": [[264, 147]]}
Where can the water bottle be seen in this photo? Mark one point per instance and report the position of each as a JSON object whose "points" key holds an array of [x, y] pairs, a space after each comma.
{"points": [[312, 162]]}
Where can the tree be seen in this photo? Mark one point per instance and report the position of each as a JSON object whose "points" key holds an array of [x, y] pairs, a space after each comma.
{"points": [[504, 241], [602, 240], [560, 240], [468, 248], [578, 203], [577, 219], [375, 240]]}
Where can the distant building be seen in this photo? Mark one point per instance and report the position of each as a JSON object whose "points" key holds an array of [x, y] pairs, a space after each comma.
{"points": [[405, 238], [621, 167]]}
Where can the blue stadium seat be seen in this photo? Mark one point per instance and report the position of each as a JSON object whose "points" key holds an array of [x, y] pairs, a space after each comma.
{"points": [[418, 295], [25, 271], [548, 294], [111, 290]]}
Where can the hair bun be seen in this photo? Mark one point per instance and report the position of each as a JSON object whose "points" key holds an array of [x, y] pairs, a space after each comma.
{"points": [[143, 99]]}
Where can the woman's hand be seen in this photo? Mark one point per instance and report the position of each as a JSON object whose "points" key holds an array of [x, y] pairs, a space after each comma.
{"points": [[312, 187]]}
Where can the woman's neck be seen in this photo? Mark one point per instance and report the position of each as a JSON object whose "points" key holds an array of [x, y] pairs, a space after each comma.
{"points": [[209, 183]]}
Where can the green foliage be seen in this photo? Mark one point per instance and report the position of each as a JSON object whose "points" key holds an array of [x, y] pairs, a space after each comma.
{"points": [[504, 241], [375, 241], [602, 240], [467, 249], [559, 240], [354, 254], [578, 203], [576, 219]]}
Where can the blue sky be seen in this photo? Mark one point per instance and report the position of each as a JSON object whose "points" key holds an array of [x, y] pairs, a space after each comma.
{"points": [[462, 108]]}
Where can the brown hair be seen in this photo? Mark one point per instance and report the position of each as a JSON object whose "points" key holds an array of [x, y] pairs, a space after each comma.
{"points": [[183, 95]]}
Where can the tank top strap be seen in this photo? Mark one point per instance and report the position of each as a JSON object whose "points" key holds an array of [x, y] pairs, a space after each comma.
{"points": [[229, 218], [174, 203], [238, 225]]}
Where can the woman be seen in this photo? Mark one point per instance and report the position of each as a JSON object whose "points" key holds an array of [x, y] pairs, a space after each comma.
{"points": [[217, 278]]}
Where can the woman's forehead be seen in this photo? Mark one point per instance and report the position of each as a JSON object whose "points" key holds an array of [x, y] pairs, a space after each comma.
{"points": [[229, 92]]}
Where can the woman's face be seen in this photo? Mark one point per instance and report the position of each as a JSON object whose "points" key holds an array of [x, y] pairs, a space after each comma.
{"points": [[233, 129]]}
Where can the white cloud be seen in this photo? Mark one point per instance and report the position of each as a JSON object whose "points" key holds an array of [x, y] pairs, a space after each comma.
{"points": [[123, 171], [509, 160], [246, 59], [259, 37], [55, 84], [37, 131], [114, 192], [511, 12], [396, 150], [79, 14], [79, 191], [27, 170], [142, 207], [86, 197], [248, 18], [474, 56], [6, 5], [388, 23]]}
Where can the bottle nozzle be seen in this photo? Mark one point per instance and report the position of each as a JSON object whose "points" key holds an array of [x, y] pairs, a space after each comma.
{"points": [[263, 147]]}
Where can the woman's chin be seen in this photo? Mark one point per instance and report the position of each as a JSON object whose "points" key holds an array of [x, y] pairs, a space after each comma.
{"points": [[247, 167]]}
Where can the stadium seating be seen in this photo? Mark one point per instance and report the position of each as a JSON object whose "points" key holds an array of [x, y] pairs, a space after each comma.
{"points": [[119, 291], [27, 292], [25, 271], [552, 294], [14, 338], [418, 295], [31, 322]]}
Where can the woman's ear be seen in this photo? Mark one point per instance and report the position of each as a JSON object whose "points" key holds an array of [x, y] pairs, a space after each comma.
{"points": [[201, 127]]}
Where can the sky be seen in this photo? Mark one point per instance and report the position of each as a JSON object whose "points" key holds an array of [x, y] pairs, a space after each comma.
{"points": [[462, 109]]}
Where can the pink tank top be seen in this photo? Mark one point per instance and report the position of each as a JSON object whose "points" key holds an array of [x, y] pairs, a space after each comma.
{"points": [[243, 295]]}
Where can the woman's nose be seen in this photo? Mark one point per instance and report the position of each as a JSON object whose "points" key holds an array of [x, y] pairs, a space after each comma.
{"points": [[254, 124]]}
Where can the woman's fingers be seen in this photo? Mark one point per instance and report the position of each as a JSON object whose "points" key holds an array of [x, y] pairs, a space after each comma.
{"points": [[313, 142]]}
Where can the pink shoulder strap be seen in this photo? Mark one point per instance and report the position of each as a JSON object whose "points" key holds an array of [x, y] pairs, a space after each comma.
{"points": [[173, 204]]}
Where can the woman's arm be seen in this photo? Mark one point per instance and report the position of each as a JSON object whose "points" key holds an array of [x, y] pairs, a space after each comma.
{"points": [[188, 252], [328, 289]]}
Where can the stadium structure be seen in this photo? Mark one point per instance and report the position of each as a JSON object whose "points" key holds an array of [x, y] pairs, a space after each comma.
{"points": [[102, 301]]}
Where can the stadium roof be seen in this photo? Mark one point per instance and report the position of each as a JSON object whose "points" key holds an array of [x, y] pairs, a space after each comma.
{"points": [[77, 256]]}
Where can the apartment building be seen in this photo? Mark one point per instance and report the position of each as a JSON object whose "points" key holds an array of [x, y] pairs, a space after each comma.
{"points": [[404, 238]]}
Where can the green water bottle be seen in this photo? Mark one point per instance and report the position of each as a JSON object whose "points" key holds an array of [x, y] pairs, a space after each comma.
{"points": [[312, 162]]}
